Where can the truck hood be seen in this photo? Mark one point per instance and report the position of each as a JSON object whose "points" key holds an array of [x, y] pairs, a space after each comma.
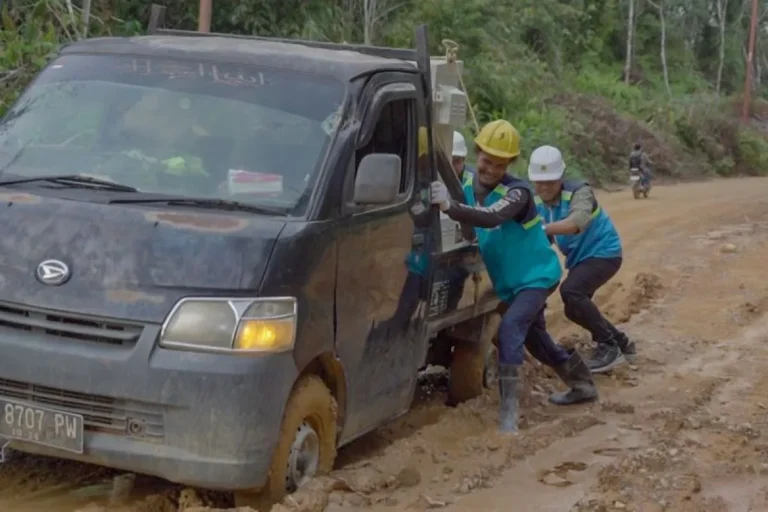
{"points": [[129, 262]]}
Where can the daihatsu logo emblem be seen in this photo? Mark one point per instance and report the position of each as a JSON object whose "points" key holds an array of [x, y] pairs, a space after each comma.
{"points": [[52, 272]]}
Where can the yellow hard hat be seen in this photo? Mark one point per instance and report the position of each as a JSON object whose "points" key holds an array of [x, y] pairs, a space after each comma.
{"points": [[500, 139], [422, 141]]}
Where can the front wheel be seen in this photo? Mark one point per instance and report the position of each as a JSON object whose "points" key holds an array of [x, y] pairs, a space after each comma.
{"points": [[307, 444]]}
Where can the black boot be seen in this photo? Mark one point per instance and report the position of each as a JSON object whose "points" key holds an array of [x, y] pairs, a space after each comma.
{"points": [[605, 357], [577, 377], [508, 405], [627, 347]]}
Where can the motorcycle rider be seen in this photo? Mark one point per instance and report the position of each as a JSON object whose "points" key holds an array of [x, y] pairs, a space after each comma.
{"points": [[522, 265], [460, 155], [592, 248], [639, 160]]}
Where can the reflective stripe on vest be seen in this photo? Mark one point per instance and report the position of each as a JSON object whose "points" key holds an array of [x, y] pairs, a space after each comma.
{"points": [[566, 196]]}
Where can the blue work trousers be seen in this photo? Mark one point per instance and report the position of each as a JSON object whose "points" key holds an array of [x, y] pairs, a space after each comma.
{"points": [[523, 325]]}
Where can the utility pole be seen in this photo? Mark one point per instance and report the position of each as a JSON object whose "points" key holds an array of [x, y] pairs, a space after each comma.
{"points": [[204, 16], [750, 64]]}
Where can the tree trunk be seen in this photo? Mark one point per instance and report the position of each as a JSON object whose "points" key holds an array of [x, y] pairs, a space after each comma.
{"points": [[722, 9], [662, 20], [757, 77], [558, 51], [369, 14], [630, 42], [86, 16]]}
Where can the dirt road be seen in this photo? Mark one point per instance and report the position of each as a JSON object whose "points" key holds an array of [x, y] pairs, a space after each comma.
{"points": [[686, 429]]}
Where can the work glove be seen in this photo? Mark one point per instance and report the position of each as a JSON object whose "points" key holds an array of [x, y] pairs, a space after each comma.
{"points": [[440, 196]]}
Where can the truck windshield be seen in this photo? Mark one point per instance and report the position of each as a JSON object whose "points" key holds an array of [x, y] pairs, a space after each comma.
{"points": [[175, 127]]}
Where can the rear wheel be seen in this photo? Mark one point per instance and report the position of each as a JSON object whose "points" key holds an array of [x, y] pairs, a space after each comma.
{"points": [[469, 365], [307, 444]]}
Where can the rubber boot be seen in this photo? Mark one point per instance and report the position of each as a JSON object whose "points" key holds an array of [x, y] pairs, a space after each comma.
{"points": [[578, 378], [508, 404]]}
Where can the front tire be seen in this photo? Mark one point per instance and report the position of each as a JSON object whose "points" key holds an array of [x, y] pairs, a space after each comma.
{"points": [[307, 444]]}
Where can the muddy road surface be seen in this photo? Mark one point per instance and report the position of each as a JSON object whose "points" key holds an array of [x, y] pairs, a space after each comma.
{"points": [[683, 429]]}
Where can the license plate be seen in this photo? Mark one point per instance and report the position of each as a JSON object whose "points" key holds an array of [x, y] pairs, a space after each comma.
{"points": [[41, 425], [634, 178]]}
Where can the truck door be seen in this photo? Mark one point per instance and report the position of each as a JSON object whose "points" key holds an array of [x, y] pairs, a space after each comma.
{"points": [[380, 304]]}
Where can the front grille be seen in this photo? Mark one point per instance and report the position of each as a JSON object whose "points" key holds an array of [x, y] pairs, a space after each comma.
{"points": [[100, 413], [67, 325]]}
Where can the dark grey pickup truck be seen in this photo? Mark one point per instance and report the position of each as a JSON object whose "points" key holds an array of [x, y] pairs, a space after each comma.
{"points": [[218, 258]]}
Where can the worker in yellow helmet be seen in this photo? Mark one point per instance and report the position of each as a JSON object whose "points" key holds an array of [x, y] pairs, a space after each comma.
{"points": [[522, 265], [423, 141], [418, 261]]}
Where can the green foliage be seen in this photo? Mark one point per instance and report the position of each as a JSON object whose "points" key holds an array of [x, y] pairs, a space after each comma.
{"points": [[554, 68], [752, 152]]}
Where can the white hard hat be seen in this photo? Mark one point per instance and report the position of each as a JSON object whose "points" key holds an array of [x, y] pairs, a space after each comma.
{"points": [[459, 145], [546, 164]]}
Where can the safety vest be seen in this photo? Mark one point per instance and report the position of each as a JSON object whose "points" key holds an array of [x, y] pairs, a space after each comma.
{"points": [[517, 255], [599, 240]]}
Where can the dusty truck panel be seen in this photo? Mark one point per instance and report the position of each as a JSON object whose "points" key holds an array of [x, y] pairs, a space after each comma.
{"points": [[117, 255], [344, 65], [303, 265], [219, 316], [149, 428]]}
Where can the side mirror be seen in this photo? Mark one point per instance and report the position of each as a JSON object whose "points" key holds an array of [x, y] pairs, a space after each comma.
{"points": [[378, 179]]}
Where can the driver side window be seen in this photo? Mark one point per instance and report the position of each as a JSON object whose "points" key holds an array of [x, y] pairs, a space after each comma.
{"points": [[395, 134]]}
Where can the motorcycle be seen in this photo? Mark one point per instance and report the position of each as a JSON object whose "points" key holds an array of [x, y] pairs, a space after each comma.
{"points": [[636, 181]]}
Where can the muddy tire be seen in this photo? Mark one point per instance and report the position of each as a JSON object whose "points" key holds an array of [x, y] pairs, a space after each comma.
{"points": [[468, 365], [636, 193], [307, 444]]}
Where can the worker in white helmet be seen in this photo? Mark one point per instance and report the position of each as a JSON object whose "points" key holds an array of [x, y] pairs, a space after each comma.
{"points": [[460, 156], [592, 248]]}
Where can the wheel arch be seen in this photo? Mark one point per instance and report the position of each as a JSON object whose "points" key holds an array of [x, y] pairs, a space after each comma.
{"points": [[330, 370]]}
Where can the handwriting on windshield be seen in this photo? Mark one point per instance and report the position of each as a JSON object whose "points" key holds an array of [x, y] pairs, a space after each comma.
{"points": [[178, 69]]}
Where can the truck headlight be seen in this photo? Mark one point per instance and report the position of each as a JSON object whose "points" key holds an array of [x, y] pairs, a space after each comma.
{"points": [[231, 325]]}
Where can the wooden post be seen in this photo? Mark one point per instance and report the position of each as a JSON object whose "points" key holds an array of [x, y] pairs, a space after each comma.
{"points": [[750, 64], [204, 16]]}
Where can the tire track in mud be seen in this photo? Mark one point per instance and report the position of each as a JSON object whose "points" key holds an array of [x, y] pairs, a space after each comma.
{"points": [[436, 455]]}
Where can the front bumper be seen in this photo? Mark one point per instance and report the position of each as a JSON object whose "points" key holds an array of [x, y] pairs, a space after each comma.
{"points": [[206, 420]]}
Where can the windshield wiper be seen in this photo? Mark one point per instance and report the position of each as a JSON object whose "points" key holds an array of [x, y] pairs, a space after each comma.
{"points": [[68, 179], [221, 204]]}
